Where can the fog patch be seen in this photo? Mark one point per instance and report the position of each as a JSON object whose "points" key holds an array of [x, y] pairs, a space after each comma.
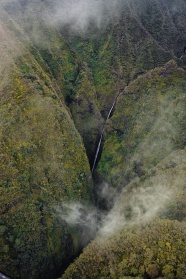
{"points": [[140, 205], [139, 202], [83, 218], [9, 48], [37, 17], [78, 15]]}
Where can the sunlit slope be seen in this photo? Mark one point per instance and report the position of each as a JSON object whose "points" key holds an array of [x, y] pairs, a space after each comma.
{"points": [[42, 163]]}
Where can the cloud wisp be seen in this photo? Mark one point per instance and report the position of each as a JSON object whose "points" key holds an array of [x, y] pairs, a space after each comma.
{"points": [[79, 14], [133, 206]]}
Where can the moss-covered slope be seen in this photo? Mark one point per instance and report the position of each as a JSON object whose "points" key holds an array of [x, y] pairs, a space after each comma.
{"points": [[91, 66], [148, 124], [144, 153], [43, 160], [43, 163], [153, 251]]}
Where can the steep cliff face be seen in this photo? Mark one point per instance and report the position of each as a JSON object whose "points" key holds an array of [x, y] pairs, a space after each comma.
{"points": [[43, 163], [144, 154], [92, 63], [57, 86], [146, 34], [143, 157], [148, 125]]}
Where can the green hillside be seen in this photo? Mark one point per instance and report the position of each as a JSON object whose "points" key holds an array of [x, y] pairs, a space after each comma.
{"points": [[61, 71], [156, 250], [143, 154]]}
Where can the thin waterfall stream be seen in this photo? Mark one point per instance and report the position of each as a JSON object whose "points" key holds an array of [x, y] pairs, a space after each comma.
{"points": [[103, 128]]}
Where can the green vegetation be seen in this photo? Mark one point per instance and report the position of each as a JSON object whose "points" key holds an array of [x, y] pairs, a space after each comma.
{"points": [[42, 162], [55, 96], [154, 250], [152, 127], [144, 152]]}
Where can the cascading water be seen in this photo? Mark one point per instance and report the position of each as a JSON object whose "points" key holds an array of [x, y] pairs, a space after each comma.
{"points": [[103, 128], [2, 276]]}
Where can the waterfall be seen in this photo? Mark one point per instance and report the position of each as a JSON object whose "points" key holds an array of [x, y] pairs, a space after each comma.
{"points": [[2, 276], [103, 128]]}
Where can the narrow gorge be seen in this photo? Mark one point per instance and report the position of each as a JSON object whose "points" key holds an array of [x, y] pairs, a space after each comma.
{"points": [[92, 139]]}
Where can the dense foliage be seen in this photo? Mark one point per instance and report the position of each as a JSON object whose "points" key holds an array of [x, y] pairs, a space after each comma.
{"points": [[57, 86], [43, 163], [152, 128], [154, 250]]}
